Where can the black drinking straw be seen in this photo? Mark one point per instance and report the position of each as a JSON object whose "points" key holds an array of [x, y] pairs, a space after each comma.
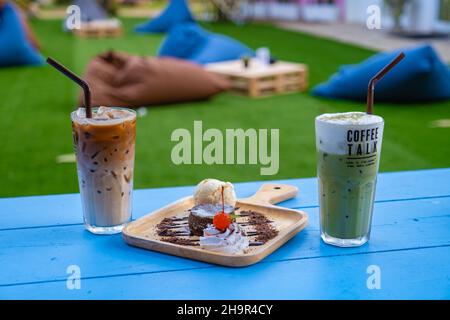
{"points": [[83, 84], [377, 77]]}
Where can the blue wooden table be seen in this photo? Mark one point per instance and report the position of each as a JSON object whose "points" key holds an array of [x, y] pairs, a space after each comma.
{"points": [[40, 237]]}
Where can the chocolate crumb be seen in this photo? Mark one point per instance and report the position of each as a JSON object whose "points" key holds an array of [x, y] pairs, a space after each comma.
{"points": [[266, 232], [256, 217], [167, 233], [95, 154], [262, 225], [181, 241], [165, 222]]}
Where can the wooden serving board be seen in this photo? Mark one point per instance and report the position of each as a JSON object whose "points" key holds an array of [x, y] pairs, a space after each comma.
{"points": [[288, 222]]}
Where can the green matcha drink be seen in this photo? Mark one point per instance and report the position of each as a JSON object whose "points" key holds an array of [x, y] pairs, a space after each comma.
{"points": [[348, 151]]}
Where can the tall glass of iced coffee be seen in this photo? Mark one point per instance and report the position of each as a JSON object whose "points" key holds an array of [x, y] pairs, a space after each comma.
{"points": [[104, 146], [348, 155]]}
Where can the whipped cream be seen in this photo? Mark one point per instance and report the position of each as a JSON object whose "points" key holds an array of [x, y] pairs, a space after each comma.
{"points": [[332, 130], [349, 118], [232, 241]]}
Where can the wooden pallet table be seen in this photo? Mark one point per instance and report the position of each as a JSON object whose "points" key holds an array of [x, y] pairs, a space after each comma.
{"points": [[99, 30], [258, 80]]}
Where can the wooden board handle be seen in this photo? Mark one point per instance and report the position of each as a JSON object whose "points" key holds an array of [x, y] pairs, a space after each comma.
{"points": [[272, 193]]}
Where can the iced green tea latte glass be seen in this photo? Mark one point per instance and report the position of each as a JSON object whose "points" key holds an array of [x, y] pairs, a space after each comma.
{"points": [[348, 154]]}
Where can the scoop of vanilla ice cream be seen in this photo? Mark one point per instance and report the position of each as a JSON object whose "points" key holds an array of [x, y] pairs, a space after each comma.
{"points": [[209, 191]]}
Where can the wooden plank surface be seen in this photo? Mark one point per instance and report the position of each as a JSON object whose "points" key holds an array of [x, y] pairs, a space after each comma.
{"points": [[42, 236], [41, 211], [405, 274], [421, 223]]}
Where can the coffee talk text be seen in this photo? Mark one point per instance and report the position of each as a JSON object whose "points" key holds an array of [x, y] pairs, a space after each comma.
{"points": [[362, 142]]}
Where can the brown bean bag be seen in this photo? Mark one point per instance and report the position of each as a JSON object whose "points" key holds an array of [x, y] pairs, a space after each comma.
{"points": [[119, 79]]}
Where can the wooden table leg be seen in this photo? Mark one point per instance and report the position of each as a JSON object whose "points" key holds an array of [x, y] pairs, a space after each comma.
{"points": [[279, 84], [253, 88], [303, 79]]}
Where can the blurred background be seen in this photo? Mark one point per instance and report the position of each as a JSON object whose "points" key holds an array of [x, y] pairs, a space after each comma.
{"points": [[36, 152]]}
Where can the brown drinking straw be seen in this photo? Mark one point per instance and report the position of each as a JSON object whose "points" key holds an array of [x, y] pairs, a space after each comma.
{"points": [[377, 77], [83, 84]]}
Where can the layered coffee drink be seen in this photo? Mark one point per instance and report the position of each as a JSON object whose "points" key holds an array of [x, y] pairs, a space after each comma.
{"points": [[104, 146], [348, 155]]}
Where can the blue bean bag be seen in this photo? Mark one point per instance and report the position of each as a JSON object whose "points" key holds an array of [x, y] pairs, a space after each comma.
{"points": [[15, 48], [177, 11], [190, 42], [421, 76]]}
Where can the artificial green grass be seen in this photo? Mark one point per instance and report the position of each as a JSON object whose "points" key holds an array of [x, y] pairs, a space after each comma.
{"points": [[36, 102]]}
